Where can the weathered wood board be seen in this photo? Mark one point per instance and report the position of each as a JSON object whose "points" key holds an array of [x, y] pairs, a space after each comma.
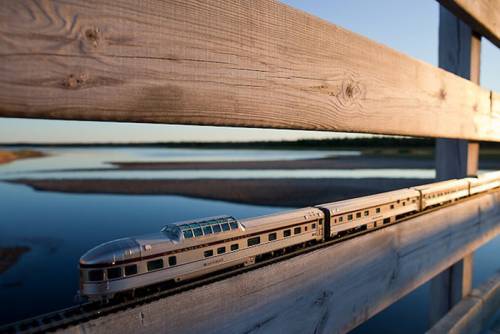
{"points": [[331, 290], [482, 15], [473, 313], [250, 63]]}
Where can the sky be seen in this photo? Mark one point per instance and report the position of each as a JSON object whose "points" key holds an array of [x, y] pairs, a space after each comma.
{"points": [[408, 26]]}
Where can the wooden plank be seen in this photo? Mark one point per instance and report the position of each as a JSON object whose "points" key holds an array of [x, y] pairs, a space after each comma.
{"points": [[474, 312], [331, 290], [482, 15], [246, 63], [459, 53]]}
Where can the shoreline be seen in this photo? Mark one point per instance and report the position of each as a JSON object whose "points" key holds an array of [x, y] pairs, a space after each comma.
{"points": [[11, 156], [266, 192]]}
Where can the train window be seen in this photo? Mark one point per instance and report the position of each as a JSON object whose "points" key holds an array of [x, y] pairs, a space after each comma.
{"points": [[296, 230], [358, 214], [234, 225], [96, 275], [188, 234], [404, 203], [399, 201], [377, 210], [387, 220], [155, 264], [131, 270], [392, 206], [253, 241], [313, 226], [287, 233], [209, 253], [272, 236], [221, 250], [225, 227], [413, 200], [234, 247], [367, 213], [114, 272], [216, 228], [207, 229], [197, 232], [305, 228], [349, 217], [341, 219], [172, 260]]}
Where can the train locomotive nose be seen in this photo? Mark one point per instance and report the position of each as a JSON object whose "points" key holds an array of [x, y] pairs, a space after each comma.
{"points": [[111, 252]]}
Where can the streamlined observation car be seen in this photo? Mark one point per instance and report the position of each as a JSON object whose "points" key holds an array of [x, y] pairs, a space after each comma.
{"points": [[368, 212], [189, 249]]}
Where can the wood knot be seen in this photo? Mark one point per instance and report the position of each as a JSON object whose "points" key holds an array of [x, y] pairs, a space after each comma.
{"points": [[442, 94], [75, 81], [92, 37], [350, 92]]}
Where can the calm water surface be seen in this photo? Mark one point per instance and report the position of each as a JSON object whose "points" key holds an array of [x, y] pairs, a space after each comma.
{"points": [[59, 228]]}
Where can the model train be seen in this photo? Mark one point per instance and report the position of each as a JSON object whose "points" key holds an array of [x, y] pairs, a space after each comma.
{"points": [[190, 249]]}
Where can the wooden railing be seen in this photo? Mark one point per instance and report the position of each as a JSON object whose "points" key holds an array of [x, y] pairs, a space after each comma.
{"points": [[260, 63]]}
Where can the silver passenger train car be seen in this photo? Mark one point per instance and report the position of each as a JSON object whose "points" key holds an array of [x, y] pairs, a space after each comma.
{"points": [[193, 248], [190, 249]]}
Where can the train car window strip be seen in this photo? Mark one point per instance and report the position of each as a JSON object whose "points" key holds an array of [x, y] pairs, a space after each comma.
{"points": [[180, 250], [253, 241], [208, 253], [131, 270], [155, 264], [96, 275], [207, 230], [114, 272]]}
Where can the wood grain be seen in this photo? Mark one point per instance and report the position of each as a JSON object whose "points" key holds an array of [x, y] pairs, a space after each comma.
{"points": [[331, 290], [474, 312], [482, 15], [250, 63]]}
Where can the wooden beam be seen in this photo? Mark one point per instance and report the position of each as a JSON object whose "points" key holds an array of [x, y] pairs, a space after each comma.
{"points": [[255, 63], [474, 312], [483, 16], [459, 53], [331, 290]]}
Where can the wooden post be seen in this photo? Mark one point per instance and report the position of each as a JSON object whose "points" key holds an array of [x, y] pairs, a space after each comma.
{"points": [[459, 53]]}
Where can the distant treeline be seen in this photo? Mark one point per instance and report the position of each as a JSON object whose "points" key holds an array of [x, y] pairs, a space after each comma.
{"points": [[337, 143]]}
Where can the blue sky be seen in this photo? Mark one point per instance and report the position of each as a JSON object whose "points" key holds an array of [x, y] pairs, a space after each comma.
{"points": [[408, 26]]}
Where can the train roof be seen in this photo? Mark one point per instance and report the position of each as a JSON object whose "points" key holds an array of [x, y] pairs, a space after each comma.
{"points": [[368, 201], [281, 219], [442, 185], [490, 175], [201, 227]]}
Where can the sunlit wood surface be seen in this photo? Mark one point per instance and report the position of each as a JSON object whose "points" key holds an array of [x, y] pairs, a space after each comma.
{"points": [[251, 63]]}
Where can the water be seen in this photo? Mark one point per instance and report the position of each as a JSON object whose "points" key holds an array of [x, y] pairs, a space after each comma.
{"points": [[59, 228]]}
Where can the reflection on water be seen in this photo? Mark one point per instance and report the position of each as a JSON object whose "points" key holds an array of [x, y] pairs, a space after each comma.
{"points": [[59, 228], [230, 174]]}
